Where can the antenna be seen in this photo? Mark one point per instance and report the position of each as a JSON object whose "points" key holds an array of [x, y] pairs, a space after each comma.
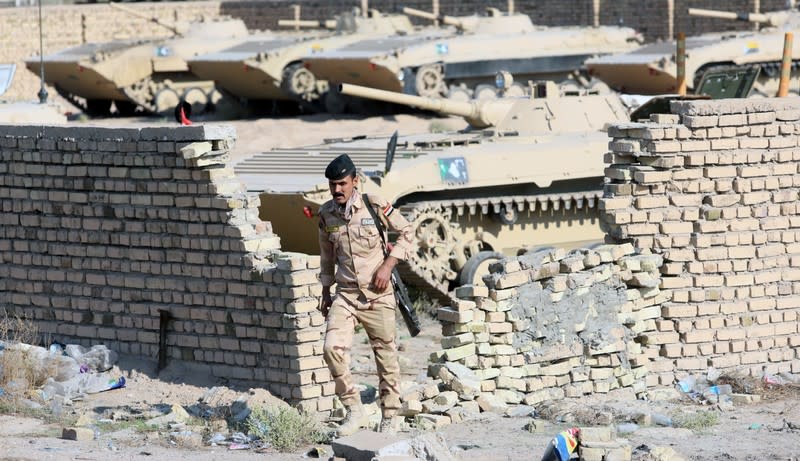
{"points": [[42, 90]]}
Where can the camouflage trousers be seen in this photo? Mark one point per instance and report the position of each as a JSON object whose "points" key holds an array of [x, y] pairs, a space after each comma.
{"points": [[378, 319]]}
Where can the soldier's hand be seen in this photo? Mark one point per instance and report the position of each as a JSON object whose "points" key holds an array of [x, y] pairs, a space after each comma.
{"points": [[382, 278], [325, 304]]}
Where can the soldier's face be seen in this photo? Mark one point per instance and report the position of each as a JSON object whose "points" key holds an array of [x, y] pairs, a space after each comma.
{"points": [[342, 189]]}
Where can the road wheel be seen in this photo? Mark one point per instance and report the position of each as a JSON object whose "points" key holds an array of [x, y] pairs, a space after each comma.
{"points": [[484, 93], [430, 81], [197, 98], [459, 94], [478, 266], [298, 82], [165, 100]]}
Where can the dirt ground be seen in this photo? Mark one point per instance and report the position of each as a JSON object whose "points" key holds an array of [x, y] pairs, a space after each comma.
{"points": [[769, 429]]}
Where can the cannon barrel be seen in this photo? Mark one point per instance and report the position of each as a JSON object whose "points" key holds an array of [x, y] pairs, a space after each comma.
{"points": [[168, 25], [444, 19], [463, 109], [769, 19], [322, 23], [477, 114]]}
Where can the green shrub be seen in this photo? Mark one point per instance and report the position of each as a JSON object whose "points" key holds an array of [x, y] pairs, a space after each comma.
{"points": [[285, 428]]}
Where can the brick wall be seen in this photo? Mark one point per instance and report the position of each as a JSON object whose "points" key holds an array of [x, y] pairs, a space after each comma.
{"points": [[701, 269], [545, 326], [101, 229], [713, 187], [66, 26]]}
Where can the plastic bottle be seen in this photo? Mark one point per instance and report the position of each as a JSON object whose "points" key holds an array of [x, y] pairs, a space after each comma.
{"points": [[718, 393], [721, 389], [98, 358], [687, 384], [660, 419], [627, 428]]}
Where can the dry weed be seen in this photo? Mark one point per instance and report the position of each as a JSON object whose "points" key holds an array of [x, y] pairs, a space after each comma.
{"points": [[743, 384], [21, 370], [424, 304], [17, 329], [699, 421]]}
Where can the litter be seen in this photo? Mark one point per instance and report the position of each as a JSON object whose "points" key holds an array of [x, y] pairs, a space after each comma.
{"points": [[562, 445]]}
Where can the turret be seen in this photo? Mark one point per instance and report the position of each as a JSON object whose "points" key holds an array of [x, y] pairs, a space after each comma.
{"points": [[355, 22], [444, 19], [769, 19], [479, 114], [167, 25], [544, 111]]}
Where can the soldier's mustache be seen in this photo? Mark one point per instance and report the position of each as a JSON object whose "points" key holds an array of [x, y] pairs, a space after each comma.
{"points": [[338, 194]]}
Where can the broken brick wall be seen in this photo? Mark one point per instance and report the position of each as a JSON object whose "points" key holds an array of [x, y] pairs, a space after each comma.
{"points": [[548, 325], [101, 229], [713, 188]]}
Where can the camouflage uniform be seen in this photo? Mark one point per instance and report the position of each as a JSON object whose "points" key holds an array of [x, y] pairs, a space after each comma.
{"points": [[355, 247]]}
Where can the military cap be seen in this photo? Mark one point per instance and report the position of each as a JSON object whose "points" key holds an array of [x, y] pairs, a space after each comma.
{"points": [[340, 167]]}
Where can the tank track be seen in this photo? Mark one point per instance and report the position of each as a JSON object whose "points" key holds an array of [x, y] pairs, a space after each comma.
{"points": [[143, 92], [139, 95], [538, 202], [80, 103], [420, 269]]}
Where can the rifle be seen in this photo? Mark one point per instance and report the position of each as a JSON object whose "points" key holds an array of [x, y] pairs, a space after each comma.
{"points": [[400, 293]]}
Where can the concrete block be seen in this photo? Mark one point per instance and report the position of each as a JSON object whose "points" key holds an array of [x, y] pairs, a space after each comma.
{"points": [[410, 408], [367, 445], [432, 422], [491, 403]]}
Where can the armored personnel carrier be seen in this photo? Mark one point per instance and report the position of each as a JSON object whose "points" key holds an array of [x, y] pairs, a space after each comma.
{"points": [[271, 68], [526, 171], [148, 73], [455, 65], [652, 69]]}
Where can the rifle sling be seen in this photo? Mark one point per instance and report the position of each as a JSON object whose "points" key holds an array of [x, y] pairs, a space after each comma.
{"points": [[378, 223]]}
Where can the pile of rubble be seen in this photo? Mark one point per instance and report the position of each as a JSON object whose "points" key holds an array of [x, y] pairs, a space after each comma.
{"points": [[547, 325]]}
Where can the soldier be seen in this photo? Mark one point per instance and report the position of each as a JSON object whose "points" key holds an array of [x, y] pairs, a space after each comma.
{"points": [[349, 239]]}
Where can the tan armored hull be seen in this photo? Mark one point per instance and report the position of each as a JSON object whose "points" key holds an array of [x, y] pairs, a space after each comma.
{"points": [[149, 74], [252, 69], [270, 68], [652, 69], [438, 64], [358, 71], [87, 71], [66, 76], [527, 172]]}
